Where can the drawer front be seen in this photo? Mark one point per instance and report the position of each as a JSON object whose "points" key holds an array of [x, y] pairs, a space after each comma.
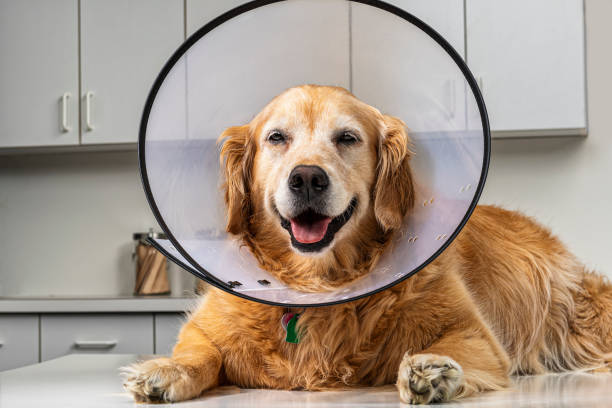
{"points": [[18, 340], [167, 327], [63, 334]]}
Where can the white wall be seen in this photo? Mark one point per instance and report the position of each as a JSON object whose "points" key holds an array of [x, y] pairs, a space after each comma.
{"points": [[66, 224], [567, 183]]}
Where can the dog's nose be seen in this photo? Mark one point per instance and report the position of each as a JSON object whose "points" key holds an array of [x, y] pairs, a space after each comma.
{"points": [[308, 181]]}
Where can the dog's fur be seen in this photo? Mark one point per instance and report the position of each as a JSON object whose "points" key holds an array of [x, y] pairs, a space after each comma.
{"points": [[505, 297]]}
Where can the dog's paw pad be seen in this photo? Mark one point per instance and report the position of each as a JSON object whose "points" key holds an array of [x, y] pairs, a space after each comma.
{"points": [[425, 378], [159, 380]]}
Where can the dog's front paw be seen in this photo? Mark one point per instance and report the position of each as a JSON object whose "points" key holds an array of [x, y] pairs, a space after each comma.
{"points": [[425, 378], [161, 380]]}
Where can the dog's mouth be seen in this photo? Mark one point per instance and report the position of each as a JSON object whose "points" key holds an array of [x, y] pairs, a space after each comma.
{"points": [[309, 227], [312, 231]]}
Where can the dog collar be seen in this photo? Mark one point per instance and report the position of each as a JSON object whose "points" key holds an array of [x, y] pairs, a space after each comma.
{"points": [[289, 322]]}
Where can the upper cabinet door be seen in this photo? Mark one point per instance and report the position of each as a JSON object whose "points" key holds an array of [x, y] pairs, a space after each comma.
{"points": [[124, 45], [39, 73], [399, 69], [444, 16], [529, 58], [200, 12], [234, 71]]}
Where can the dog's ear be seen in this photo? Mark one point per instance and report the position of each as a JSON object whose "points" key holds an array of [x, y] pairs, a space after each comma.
{"points": [[237, 154], [393, 192]]}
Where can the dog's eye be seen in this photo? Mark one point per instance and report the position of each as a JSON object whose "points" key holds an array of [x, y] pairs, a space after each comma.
{"points": [[346, 138], [276, 137]]}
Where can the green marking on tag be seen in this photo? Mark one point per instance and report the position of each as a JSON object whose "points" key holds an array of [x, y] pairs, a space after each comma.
{"points": [[292, 335]]}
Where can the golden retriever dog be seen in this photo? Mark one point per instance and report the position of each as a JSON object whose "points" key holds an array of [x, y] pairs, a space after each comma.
{"points": [[316, 185]]}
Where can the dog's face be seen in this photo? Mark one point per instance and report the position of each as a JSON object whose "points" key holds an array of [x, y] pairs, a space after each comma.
{"points": [[315, 166], [312, 167]]}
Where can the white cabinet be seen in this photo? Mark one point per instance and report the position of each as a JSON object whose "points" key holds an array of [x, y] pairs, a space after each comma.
{"points": [[62, 334], [18, 340], [124, 45], [39, 78], [200, 12], [167, 327], [444, 16], [399, 69], [235, 70], [23, 341], [529, 56]]}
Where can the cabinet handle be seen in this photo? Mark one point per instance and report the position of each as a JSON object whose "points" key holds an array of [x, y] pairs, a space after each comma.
{"points": [[88, 124], [480, 82], [95, 344], [64, 126], [452, 97]]}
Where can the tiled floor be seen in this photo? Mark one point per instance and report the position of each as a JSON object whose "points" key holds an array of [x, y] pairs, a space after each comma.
{"points": [[93, 381]]}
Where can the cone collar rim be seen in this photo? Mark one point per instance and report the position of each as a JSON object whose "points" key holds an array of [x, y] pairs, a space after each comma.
{"points": [[200, 272]]}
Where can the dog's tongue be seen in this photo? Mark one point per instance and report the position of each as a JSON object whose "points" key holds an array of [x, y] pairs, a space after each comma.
{"points": [[309, 232]]}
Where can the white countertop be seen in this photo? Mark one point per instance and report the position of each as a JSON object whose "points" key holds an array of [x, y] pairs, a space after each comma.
{"points": [[93, 381], [96, 305]]}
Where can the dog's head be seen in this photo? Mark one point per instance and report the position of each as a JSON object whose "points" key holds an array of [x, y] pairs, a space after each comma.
{"points": [[315, 168]]}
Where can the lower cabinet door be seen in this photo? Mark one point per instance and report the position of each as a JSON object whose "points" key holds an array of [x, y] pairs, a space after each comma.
{"points": [[18, 340], [167, 327], [63, 334]]}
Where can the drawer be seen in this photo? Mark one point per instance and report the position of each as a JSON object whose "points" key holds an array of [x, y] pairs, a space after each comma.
{"points": [[18, 340], [167, 327], [62, 334]]}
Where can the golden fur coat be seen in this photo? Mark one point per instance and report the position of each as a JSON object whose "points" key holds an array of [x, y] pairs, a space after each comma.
{"points": [[505, 298]]}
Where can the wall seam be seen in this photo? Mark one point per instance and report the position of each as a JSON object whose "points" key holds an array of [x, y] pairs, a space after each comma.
{"points": [[585, 67], [80, 76], [39, 338], [154, 315], [350, 40], [465, 42]]}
